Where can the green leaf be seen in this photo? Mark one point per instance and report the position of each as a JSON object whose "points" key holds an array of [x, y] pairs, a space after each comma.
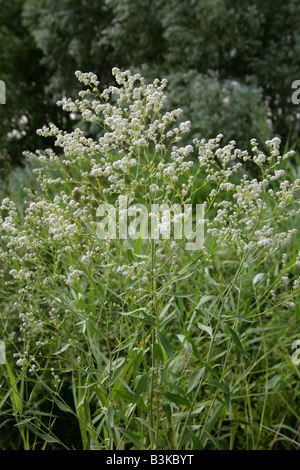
{"points": [[141, 386], [206, 328], [165, 309], [175, 387], [227, 400], [213, 419], [144, 423], [179, 295], [137, 362], [216, 443], [165, 344], [210, 280], [224, 387], [168, 411], [195, 377], [178, 399], [274, 381], [64, 348], [257, 278], [158, 353], [81, 397], [195, 350], [16, 393], [205, 299], [131, 314], [216, 383], [48, 438], [185, 275], [126, 395], [118, 370], [62, 406], [141, 405], [130, 436], [196, 442], [236, 341], [24, 421], [211, 370], [110, 415]]}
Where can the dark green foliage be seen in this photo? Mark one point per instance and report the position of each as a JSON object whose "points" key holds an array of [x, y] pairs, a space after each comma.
{"points": [[230, 64], [26, 107]]}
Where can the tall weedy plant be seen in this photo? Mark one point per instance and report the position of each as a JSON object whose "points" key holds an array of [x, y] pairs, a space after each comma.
{"points": [[125, 308]]}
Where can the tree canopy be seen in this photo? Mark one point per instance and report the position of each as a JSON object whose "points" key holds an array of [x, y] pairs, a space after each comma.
{"points": [[230, 64]]}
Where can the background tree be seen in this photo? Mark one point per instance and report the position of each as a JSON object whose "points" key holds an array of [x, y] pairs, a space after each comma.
{"points": [[27, 107], [230, 64]]}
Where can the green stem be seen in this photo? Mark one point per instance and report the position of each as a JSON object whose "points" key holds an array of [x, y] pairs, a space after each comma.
{"points": [[153, 434]]}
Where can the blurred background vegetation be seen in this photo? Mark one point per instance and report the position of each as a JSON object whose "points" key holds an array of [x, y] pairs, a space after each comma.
{"points": [[229, 63]]}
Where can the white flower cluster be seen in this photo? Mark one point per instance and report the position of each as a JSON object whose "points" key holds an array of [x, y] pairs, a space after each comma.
{"points": [[87, 78], [256, 200], [74, 275], [29, 322], [136, 270]]}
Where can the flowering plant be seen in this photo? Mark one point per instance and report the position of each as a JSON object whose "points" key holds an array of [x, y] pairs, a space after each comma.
{"points": [[143, 329]]}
